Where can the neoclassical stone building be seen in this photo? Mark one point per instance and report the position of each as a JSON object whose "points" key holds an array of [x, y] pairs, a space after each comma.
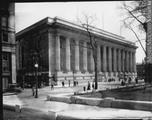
{"points": [[64, 51]]}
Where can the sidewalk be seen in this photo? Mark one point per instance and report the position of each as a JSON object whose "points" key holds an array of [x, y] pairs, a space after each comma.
{"points": [[62, 110]]}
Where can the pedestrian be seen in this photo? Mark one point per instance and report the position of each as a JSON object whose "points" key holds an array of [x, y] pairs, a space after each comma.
{"points": [[84, 88], [52, 86], [77, 82], [69, 83], [136, 79], [129, 80], [62, 83], [88, 88], [33, 91], [93, 85], [122, 82]]}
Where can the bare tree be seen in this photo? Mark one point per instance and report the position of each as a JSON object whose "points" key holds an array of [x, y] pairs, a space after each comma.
{"points": [[87, 25], [137, 11]]}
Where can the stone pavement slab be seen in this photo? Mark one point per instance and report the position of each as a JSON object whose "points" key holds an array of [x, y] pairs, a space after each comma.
{"points": [[64, 110]]}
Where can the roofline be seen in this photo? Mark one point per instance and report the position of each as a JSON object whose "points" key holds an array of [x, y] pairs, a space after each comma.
{"points": [[97, 31]]}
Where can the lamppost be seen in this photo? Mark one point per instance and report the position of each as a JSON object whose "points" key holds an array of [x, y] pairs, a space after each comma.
{"points": [[36, 66]]}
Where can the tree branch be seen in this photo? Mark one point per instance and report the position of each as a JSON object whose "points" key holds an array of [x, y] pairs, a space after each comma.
{"points": [[136, 37]]}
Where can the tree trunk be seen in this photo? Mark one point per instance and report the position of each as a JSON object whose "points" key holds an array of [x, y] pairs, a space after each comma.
{"points": [[95, 67], [96, 76]]}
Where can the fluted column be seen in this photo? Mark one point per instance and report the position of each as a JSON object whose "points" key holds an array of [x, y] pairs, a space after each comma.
{"points": [[115, 58], [119, 60], [131, 68], [127, 61], [85, 57], [134, 62], [98, 58], [110, 59], [104, 59], [50, 51], [67, 55], [57, 47], [76, 55], [123, 61], [13, 60]]}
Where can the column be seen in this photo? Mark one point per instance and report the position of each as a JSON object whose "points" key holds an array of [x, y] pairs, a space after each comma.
{"points": [[58, 67], [134, 62], [115, 58], [76, 55], [67, 55], [50, 50], [119, 60], [104, 59], [123, 61], [127, 65], [129, 61], [98, 59], [13, 58], [85, 57], [110, 59], [131, 70]]}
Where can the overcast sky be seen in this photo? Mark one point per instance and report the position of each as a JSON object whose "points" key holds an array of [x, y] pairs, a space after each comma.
{"points": [[107, 16]]}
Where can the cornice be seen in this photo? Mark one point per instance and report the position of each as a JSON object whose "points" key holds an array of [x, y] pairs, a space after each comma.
{"points": [[60, 21]]}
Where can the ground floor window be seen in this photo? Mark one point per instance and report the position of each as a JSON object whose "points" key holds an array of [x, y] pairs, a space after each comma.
{"points": [[5, 82], [6, 62]]}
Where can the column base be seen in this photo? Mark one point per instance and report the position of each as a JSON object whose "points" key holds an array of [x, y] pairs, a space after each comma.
{"points": [[59, 73], [105, 77]]}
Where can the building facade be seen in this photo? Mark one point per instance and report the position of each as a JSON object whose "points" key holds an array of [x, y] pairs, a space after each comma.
{"points": [[149, 33], [8, 46], [64, 51]]}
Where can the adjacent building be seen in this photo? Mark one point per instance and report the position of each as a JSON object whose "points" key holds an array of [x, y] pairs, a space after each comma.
{"points": [[64, 50], [149, 33], [8, 45]]}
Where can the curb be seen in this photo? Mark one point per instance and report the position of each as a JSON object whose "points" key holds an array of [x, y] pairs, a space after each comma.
{"points": [[104, 102]]}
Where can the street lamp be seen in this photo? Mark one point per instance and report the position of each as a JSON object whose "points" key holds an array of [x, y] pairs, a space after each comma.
{"points": [[36, 66]]}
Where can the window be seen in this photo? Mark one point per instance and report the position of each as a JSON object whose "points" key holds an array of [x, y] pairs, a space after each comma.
{"points": [[5, 62], [4, 21], [5, 36]]}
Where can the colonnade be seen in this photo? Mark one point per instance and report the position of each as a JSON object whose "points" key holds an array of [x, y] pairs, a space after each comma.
{"points": [[109, 58]]}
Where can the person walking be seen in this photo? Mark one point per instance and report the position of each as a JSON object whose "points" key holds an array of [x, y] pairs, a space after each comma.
{"points": [[52, 85], [62, 83], [69, 83], [136, 79], [33, 91], [88, 88], [92, 85]]}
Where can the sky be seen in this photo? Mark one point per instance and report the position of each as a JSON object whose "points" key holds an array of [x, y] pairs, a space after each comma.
{"points": [[108, 16]]}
